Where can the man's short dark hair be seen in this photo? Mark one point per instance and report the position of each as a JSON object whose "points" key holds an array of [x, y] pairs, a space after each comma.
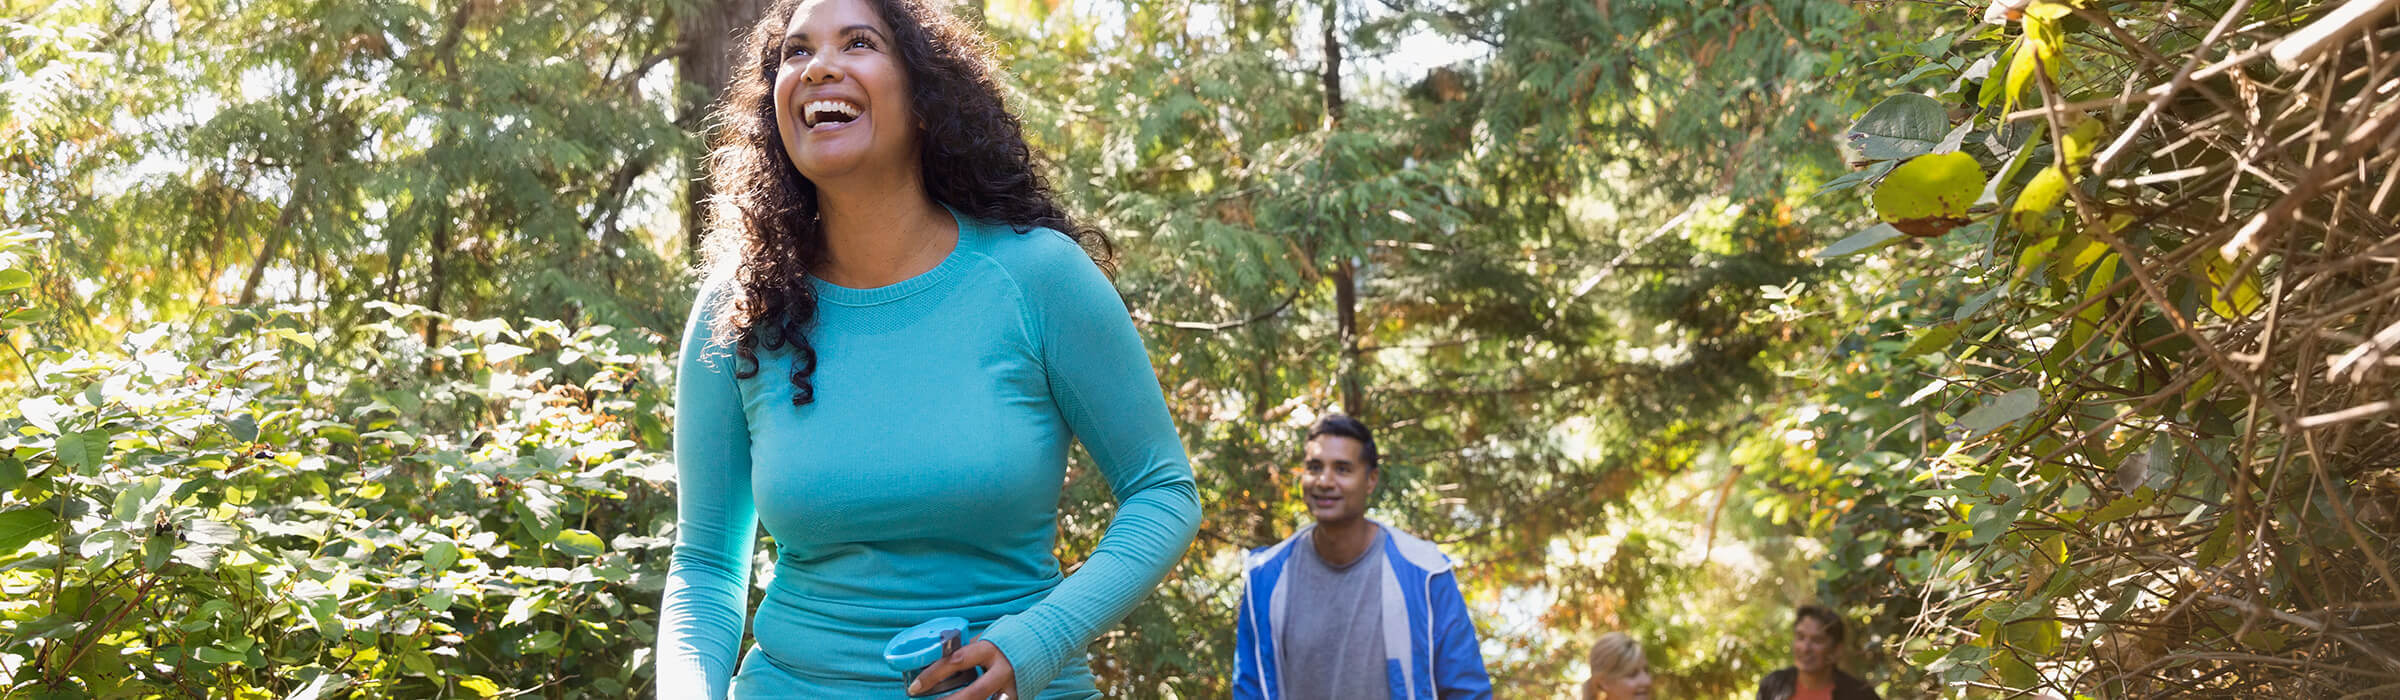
{"points": [[1826, 618], [1339, 425]]}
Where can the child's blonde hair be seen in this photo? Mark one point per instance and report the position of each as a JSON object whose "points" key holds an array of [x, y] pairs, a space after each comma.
{"points": [[1616, 655]]}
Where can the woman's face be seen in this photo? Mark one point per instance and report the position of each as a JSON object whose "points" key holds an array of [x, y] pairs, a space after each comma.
{"points": [[1631, 686], [841, 95]]}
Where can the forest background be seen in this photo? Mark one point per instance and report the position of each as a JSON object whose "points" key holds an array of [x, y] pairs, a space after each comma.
{"points": [[2051, 342]]}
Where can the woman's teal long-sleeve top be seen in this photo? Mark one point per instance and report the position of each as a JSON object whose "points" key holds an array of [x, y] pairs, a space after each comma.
{"points": [[924, 479]]}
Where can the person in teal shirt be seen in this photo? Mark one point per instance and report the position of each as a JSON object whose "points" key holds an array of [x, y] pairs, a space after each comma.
{"points": [[899, 335]]}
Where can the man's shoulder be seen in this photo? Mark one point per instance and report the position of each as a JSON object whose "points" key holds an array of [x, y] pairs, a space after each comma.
{"points": [[1415, 550], [1849, 687], [1780, 683]]}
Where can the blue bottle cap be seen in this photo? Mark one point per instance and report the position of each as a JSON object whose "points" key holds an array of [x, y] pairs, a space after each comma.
{"points": [[917, 647]]}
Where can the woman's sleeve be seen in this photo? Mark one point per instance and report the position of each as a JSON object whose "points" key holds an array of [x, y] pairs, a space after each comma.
{"points": [[702, 613], [1101, 378]]}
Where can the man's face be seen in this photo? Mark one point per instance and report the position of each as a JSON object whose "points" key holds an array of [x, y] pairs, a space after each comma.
{"points": [[1813, 649], [1335, 480]]}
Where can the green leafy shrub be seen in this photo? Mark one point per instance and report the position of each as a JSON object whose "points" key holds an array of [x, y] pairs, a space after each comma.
{"points": [[249, 506], [2147, 446]]}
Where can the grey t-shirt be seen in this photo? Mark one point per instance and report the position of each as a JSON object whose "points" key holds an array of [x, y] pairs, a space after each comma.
{"points": [[1331, 642]]}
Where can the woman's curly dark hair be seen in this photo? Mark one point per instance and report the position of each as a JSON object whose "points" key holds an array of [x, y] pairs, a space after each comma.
{"points": [[765, 236]]}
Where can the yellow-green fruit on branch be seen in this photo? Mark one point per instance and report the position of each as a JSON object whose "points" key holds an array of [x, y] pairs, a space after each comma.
{"points": [[1929, 194]]}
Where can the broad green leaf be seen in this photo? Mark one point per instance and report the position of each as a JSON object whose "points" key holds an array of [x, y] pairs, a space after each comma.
{"points": [[2231, 301], [215, 655], [1874, 237], [157, 551], [2037, 207], [44, 412], [497, 353], [78, 453], [23, 525], [1992, 87], [546, 641], [131, 499], [1902, 126], [2121, 507], [2000, 411], [417, 662], [243, 427], [15, 279], [439, 556], [1854, 178], [2012, 670], [524, 608], [338, 433], [1929, 195], [1931, 340], [480, 686], [577, 542], [2081, 140]]}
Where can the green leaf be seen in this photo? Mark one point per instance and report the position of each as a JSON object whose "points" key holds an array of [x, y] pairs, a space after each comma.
{"points": [[1902, 126], [73, 453], [133, 497], [577, 542], [244, 427], [1930, 195], [497, 353], [440, 556], [24, 317], [417, 662], [2231, 301], [1874, 237], [1927, 68], [1991, 520], [480, 686], [1934, 339], [2004, 612], [2081, 140], [2037, 206], [44, 412], [524, 608], [338, 433], [2121, 507], [23, 525], [12, 473], [155, 552], [1999, 412], [546, 641], [1991, 89], [220, 656], [15, 279], [1861, 176]]}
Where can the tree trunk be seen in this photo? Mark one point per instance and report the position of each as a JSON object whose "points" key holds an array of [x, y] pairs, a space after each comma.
{"points": [[1345, 300], [1345, 285], [714, 36], [1333, 65], [266, 254]]}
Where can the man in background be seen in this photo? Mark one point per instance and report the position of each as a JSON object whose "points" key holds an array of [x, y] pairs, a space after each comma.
{"points": [[1350, 608], [1817, 636]]}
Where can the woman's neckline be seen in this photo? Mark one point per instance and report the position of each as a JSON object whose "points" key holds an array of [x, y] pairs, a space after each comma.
{"points": [[870, 296]]}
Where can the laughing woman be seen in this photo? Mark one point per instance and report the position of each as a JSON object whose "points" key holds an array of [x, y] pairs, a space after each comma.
{"points": [[901, 332]]}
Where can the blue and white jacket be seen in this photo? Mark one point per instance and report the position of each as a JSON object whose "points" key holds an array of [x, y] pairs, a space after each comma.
{"points": [[1429, 646]]}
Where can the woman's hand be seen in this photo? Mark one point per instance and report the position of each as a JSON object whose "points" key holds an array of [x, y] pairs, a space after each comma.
{"points": [[999, 679]]}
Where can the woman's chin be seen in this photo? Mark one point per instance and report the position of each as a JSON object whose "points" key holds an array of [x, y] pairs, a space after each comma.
{"points": [[830, 164]]}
